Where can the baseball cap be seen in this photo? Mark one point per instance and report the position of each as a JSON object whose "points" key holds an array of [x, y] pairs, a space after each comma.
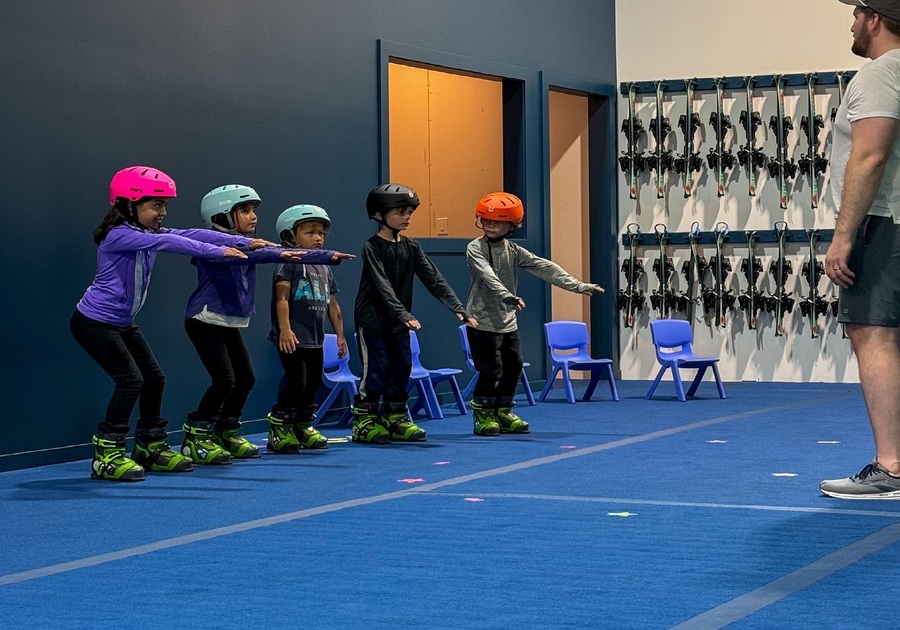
{"points": [[888, 8]]}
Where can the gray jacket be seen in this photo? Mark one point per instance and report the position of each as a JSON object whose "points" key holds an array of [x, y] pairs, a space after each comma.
{"points": [[494, 270]]}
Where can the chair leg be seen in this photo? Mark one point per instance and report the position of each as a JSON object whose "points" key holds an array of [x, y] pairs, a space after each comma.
{"points": [[719, 384], [679, 386], [567, 379], [432, 406], [419, 405], [659, 375], [326, 404], [529, 395], [696, 382], [460, 403], [613, 390], [595, 376], [548, 384], [467, 392]]}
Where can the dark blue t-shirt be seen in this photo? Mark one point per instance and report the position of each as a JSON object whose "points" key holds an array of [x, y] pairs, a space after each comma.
{"points": [[311, 288]]}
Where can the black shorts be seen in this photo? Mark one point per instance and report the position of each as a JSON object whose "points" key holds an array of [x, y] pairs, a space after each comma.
{"points": [[874, 297]]}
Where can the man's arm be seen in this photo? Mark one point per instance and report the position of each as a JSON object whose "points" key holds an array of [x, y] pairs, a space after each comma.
{"points": [[872, 140]]}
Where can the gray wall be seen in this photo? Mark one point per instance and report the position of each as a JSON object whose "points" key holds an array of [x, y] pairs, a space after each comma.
{"points": [[278, 94]]}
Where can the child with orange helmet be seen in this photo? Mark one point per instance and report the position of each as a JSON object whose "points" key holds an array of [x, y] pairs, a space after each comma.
{"points": [[494, 263]]}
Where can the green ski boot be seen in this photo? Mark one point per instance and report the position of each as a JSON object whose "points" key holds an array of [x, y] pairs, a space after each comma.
{"points": [[395, 418], [111, 463], [485, 417], [366, 427], [510, 422], [281, 432], [225, 434], [199, 444], [307, 434], [153, 453]]}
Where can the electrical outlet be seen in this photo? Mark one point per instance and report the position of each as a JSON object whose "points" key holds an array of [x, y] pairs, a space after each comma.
{"points": [[441, 225]]}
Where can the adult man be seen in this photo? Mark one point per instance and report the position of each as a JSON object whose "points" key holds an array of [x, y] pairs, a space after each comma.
{"points": [[864, 257]]}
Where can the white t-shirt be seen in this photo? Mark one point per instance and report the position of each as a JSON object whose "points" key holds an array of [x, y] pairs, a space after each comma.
{"points": [[873, 93]]}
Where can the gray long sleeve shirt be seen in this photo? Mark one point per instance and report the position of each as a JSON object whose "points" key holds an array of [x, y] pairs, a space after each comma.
{"points": [[494, 271]]}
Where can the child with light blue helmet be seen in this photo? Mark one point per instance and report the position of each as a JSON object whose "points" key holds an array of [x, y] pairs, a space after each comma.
{"points": [[302, 296], [217, 310]]}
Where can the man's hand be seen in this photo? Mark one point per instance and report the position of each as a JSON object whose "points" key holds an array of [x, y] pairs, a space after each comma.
{"points": [[836, 259]]}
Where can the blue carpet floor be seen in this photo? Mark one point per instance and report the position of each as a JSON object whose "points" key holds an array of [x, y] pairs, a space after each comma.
{"points": [[638, 514]]}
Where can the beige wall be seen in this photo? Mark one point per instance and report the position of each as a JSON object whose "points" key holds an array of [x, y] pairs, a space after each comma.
{"points": [[446, 142], [708, 38], [569, 225]]}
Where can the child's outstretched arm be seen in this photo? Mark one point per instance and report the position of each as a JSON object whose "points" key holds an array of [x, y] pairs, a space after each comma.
{"points": [[215, 237], [438, 287], [337, 322], [549, 271], [277, 254], [125, 239]]}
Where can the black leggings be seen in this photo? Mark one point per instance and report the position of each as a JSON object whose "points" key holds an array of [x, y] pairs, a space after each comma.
{"points": [[225, 357], [498, 359], [387, 361], [302, 378], [123, 353]]}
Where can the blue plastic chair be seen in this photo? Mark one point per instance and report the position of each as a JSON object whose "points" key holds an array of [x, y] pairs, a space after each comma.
{"points": [[672, 339], [464, 342], [336, 375], [568, 335], [425, 380]]}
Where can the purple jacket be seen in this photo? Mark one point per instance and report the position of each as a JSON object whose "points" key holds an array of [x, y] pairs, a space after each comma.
{"points": [[228, 286], [125, 261]]}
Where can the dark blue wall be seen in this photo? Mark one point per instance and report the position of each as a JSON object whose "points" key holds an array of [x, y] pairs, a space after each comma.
{"points": [[278, 94]]}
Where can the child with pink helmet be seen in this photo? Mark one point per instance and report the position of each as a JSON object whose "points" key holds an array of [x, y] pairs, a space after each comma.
{"points": [[128, 239]]}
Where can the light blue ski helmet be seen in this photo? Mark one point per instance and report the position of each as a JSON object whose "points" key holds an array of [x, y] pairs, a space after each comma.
{"points": [[223, 199], [289, 219]]}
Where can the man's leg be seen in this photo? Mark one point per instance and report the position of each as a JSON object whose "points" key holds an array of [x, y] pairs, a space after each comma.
{"points": [[878, 354]]}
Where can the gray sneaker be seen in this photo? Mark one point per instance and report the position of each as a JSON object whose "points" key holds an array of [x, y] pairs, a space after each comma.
{"points": [[872, 482]]}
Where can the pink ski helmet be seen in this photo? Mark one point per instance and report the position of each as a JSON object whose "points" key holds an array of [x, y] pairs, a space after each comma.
{"points": [[135, 182]]}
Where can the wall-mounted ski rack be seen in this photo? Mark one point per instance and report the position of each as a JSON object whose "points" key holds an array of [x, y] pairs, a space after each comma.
{"points": [[735, 83], [733, 237]]}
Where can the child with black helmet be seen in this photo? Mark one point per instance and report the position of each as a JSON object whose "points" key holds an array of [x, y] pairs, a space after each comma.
{"points": [[383, 318], [302, 296], [217, 310], [494, 263]]}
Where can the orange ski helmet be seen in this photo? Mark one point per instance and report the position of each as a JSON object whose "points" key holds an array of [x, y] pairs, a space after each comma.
{"points": [[500, 206]]}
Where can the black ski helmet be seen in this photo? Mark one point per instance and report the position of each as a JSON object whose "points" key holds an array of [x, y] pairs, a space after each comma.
{"points": [[389, 196]]}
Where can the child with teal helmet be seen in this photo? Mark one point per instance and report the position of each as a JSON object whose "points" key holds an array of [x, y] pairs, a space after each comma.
{"points": [[217, 310], [302, 296]]}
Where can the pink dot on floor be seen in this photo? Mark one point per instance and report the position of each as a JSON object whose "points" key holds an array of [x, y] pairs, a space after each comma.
{"points": [[441, 463], [416, 480], [474, 499], [568, 446]]}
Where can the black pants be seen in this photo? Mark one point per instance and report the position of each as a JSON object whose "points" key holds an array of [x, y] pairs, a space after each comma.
{"points": [[302, 378], [225, 357], [387, 362], [123, 353], [498, 359]]}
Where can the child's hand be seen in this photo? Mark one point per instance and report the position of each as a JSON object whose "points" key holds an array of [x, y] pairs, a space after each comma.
{"points": [[516, 301], [339, 256], [342, 347], [413, 324], [595, 288], [287, 341], [257, 243], [294, 254], [231, 252]]}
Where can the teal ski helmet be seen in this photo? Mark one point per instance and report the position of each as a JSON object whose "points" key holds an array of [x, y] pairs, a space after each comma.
{"points": [[223, 199], [290, 218]]}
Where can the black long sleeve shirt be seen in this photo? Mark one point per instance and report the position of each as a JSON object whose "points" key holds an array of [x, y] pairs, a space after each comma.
{"points": [[384, 299]]}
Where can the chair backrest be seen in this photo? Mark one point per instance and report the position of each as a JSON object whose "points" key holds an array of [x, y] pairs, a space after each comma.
{"points": [[464, 342], [669, 334], [330, 350], [415, 351], [566, 335]]}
